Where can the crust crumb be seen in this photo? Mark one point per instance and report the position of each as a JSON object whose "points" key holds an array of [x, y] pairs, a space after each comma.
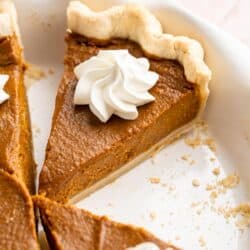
{"points": [[34, 72], [202, 242], [193, 142], [196, 183], [211, 144], [36, 129], [213, 196], [185, 157], [201, 137], [241, 212], [192, 162], [51, 72], [230, 181], [153, 215], [216, 171], [212, 159], [177, 237], [154, 180]]}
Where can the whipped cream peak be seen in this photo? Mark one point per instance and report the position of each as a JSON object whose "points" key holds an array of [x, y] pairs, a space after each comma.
{"points": [[145, 246], [114, 82], [3, 95]]}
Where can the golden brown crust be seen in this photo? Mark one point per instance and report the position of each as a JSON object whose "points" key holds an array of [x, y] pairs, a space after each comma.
{"points": [[17, 220], [82, 151], [16, 154], [68, 227]]}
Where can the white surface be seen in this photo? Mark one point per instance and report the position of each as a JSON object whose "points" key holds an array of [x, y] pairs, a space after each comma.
{"points": [[133, 198]]}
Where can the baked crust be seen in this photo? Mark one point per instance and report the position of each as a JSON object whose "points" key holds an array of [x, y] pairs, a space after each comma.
{"points": [[68, 227]]}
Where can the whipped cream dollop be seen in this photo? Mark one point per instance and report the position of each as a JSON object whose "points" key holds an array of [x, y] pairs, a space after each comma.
{"points": [[3, 95], [145, 246], [114, 82]]}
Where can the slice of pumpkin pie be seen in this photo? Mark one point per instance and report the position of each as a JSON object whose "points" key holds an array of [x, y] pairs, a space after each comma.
{"points": [[128, 88], [15, 135], [68, 227]]}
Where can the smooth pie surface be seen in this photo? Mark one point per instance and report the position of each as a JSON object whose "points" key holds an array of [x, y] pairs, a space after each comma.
{"points": [[17, 220], [82, 151], [71, 228]]}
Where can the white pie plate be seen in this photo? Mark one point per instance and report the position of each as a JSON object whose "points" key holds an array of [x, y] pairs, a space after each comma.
{"points": [[164, 209]]}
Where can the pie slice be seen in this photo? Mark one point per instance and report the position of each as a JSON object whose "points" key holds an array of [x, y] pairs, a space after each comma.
{"points": [[17, 220], [84, 153], [68, 227], [15, 135]]}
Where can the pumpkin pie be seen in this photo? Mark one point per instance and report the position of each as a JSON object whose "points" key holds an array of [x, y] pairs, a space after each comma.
{"points": [[68, 227], [17, 220], [85, 153], [15, 135]]}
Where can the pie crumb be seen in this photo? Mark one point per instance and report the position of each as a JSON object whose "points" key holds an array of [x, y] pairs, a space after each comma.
{"points": [[242, 210], [155, 180], [211, 144], [34, 72], [202, 242], [51, 72], [192, 162], [213, 195], [193, 142], [212, 159], [152, 215], [177, 237], [216, 171], [185, 157], [230, 181], [196, 183]]}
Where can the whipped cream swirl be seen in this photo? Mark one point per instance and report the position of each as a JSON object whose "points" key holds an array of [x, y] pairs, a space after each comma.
{"points": [[114, 82], [3, 95], [145, 246]]}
